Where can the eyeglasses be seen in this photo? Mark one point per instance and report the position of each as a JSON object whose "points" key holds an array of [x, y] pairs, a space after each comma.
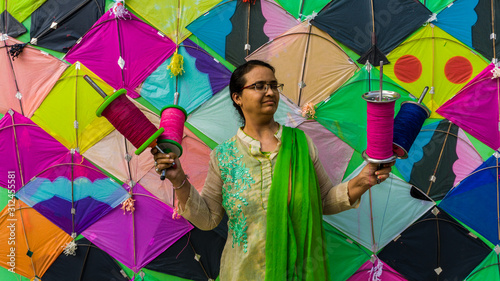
{"points": [[262, 87]]}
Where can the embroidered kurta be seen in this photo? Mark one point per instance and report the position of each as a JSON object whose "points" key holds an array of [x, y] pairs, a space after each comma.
{"points": [[238, 183]]}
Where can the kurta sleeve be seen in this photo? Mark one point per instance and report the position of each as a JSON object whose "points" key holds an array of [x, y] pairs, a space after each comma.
{"points": [[205, 210], [335, 199]]}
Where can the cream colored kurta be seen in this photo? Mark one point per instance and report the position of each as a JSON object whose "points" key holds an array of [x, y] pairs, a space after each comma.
{"points": [[238, 183]]}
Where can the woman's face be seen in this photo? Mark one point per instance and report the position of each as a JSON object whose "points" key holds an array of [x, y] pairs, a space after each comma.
{"points": [[255, 103]]}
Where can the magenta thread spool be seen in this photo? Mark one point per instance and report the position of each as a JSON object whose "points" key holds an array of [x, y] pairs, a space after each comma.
{"points": [[172, 121], [380, 124], [129, 121]]}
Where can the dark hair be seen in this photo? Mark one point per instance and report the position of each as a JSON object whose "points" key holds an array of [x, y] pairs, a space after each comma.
{"points": [[238, 81]]}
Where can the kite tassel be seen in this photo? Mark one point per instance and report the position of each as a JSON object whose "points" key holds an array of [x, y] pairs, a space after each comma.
{"points": [[376, 271], [128, 205], [119, 9], [16, 50], [175, 214], [308, 110], [496, 72], [70, 248], [176, 64]]}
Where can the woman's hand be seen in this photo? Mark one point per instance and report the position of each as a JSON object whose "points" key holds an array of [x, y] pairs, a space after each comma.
{"points": [[171, 164], [367, 178], [371, 173]]}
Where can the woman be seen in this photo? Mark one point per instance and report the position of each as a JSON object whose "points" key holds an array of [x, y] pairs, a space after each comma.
{"points": [[270, 182]]}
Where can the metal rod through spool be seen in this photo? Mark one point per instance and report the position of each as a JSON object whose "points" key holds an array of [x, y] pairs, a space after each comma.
{"points": [[423, 94], [381, 79], [407, 125], [94, 85]]}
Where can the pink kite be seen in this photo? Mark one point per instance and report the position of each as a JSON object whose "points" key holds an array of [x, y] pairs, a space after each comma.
{"points": [[26, 76], [122, 50]]}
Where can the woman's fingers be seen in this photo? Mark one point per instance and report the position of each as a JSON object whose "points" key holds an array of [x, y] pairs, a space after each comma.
{"points": [[164, 161]]}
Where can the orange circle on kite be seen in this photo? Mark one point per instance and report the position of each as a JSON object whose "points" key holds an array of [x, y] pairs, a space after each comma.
{"points": [[458, 70], [408, 68]]}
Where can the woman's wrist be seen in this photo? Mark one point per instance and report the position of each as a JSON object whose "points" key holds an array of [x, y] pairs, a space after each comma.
{"points": [[178, 184]]}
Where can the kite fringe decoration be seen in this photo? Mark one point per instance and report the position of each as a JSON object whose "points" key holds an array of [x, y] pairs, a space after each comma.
{"points": [[176, 64], [70, 248], [175, 214], [119, 10], [496, 72], [308, 110], [16, 50], [128, 205], [376, 271]]}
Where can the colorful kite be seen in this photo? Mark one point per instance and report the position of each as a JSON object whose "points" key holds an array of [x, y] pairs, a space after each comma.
{"points": [[26, 75], [202, 77], [474, 23], [14, 12], [171, 17], [57, 25], [433, 58], [139, 232], [441, 156], [122, 50], [37, 241], [441, 249], [75, 125], [384, 212], [25, 150], [195, 256], [72, 193], [308, 61], [481, 184], [88, 263], [377, 27], [236, 28], [475, 108]]}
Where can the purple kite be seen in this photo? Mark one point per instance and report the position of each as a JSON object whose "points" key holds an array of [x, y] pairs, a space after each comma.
{"points": [[138, 233], [122, 50], [25, 149]]}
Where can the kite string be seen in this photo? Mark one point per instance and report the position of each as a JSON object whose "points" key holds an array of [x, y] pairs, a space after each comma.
{"points": [[189, 237]]}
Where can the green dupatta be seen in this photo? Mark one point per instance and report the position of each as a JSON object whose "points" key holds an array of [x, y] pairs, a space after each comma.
{"points": [[294, 238]]}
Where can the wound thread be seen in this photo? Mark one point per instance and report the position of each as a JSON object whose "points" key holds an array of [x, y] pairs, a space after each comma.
{"points": [[380, 123], [172, 120], [129, 120], [407, 125]]}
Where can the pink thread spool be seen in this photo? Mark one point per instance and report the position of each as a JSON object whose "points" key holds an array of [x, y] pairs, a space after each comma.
{"points": [[129, 121], [172, 120], [380, 126]]}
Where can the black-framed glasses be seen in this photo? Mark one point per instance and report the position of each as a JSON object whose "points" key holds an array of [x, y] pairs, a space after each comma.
{"points": [[262, 87]]}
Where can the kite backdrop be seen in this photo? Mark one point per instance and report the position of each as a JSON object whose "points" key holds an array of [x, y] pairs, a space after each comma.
{"points": [[77, 204]]}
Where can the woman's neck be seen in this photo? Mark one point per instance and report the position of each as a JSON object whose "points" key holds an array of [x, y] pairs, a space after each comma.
{"points": [[264, 133]]}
